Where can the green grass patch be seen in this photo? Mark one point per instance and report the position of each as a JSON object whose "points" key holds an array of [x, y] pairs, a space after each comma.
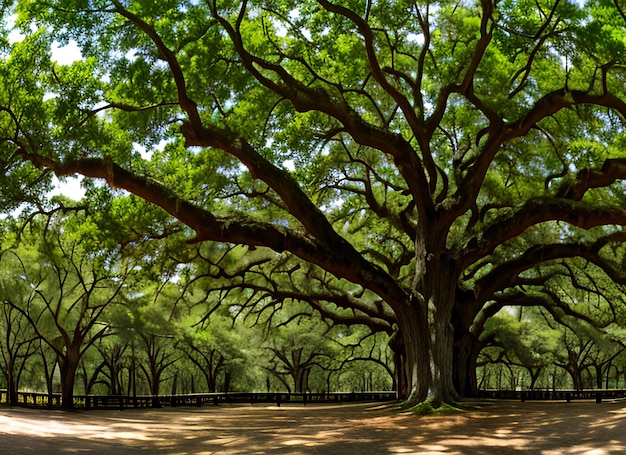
{"points": [[427, 408]]}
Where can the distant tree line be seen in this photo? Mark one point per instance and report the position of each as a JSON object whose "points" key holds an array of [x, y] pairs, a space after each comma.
{"points": [[82, 314]]}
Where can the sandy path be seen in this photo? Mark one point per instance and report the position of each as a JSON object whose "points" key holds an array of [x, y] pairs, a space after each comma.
{"points": [[350, 429]]}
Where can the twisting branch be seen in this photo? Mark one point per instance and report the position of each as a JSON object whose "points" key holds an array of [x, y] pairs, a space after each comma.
{"points": [[533, 212], [305, 98], [611, 171], [340, 258], [415, 123], [186, 103], [506, 274]]}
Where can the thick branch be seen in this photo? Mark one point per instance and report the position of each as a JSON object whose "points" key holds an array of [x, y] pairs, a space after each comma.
{"points": [[553, 102], [499, 133], [537, 211], [507, 274], [186, 103], [341, 260], [612, 170], [305, 98]]}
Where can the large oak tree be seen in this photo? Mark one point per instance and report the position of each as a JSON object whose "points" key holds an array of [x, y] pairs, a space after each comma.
{"points": [[428, 153]]}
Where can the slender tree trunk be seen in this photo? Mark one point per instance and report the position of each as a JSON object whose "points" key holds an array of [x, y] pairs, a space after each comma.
{"points": [[534, 375], [68, 367], [400, 378], [577, 381], [175, 384], [598, 371], [300, 378], [49, 375], [211, 381], [11, 387], [155, 384], [227, 378]]}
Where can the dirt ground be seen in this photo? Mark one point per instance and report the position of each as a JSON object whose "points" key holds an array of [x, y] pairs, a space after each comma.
{"points": [[546, 428]]}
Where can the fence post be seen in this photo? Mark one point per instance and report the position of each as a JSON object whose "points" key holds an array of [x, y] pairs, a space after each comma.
{"points": [[598, 397]]}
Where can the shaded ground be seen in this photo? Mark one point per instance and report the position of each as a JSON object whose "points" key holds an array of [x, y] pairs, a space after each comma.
{"points": [[490, 428]]}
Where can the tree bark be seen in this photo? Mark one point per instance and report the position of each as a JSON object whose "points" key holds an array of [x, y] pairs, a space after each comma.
{"points": [[425, 320], [400, 378], [466, 350], [11, 389], [68, 366], [428, 334]]}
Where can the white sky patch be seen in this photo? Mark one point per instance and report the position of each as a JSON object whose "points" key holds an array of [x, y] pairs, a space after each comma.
{"points": [[65, 55], [49, 96], [70, 187], [147, 154], [15, 36], [417, 38], [289, 165], [281, 30]]}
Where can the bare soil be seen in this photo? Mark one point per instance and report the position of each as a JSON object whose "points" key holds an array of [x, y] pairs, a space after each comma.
{"points": [[546, 428]]}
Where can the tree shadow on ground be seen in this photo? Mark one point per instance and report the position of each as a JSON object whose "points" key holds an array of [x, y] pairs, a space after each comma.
{"points": [[484, 428]]}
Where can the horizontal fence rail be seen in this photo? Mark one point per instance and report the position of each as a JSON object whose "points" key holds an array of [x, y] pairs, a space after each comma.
{"points": [[44, 400], [598, 395]]}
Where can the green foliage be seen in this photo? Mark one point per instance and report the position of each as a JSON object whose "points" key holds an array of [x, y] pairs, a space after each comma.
{"points": [[346, 158]]}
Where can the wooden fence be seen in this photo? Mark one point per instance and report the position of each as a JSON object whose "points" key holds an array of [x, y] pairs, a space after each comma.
{"points": [[598, 395], [44, 400]]}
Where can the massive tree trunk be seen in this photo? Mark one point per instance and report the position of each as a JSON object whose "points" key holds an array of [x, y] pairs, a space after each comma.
{"points": [[427, 331]]}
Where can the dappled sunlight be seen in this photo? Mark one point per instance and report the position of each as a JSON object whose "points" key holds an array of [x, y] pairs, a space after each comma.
{"points": [[505, 427]]}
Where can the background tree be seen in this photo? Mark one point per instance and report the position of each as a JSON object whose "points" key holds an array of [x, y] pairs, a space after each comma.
{"points": [[529, 344], [151, 321], [365, 362], [18, 340], [114, 354], [297, 350], [69, 291], [216, 349]]}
